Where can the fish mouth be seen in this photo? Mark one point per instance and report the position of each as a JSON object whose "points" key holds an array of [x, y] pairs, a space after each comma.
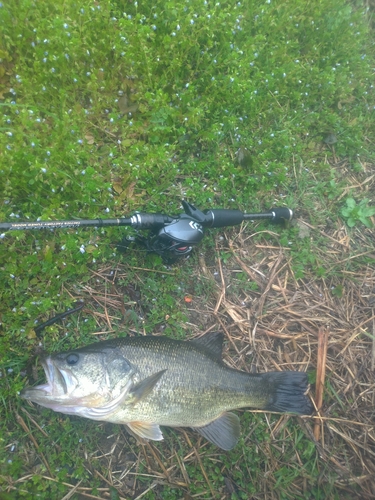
{"points": [[60, 383]]}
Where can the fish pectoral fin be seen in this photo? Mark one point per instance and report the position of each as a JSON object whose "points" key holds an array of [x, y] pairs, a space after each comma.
{"points": [[145, 430], [224, 431], [144, 388]]}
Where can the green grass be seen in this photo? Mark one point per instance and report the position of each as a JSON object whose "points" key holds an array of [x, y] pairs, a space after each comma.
{"points": [[111, 107]]}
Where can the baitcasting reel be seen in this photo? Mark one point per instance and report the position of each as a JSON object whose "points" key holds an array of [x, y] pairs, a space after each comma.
{"points": [[171, 237]]}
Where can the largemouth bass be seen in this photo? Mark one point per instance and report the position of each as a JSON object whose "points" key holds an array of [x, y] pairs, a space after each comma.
{"points": [[145, 382]]}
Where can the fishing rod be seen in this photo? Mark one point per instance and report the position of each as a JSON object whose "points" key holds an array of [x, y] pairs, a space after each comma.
{"points": [[170, 237]]}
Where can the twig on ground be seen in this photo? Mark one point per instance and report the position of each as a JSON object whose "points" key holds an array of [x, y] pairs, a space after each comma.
{"points": [[320, 376]]}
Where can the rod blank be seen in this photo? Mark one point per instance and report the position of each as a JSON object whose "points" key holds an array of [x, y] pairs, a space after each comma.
{"points": [[63, 224]]}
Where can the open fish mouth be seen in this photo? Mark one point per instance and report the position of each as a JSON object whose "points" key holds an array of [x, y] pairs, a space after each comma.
{"points": [[60, 383]]}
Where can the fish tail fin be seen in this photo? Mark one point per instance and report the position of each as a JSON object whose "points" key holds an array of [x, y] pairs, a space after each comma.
{"points": [[288, 392]]}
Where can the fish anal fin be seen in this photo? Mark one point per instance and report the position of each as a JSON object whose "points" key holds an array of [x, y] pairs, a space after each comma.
{"points": [[212, 341], [145, 430], [224, 431], [143, 388]]}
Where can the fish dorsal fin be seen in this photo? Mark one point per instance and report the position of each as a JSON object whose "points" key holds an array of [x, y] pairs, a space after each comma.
{"points": [[212, 341], [144, 388], [145, 430], [224, 431]]}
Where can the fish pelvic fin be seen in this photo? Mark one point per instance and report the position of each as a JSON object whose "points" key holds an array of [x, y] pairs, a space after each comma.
{"points": [[224, 432], [287, 392], [145, 430]]}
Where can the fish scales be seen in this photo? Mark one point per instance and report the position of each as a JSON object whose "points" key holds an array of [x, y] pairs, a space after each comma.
{"points": [[195, 389]]}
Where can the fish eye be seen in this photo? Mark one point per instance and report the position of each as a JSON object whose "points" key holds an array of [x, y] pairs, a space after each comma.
{"points": [[72, 359]]}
